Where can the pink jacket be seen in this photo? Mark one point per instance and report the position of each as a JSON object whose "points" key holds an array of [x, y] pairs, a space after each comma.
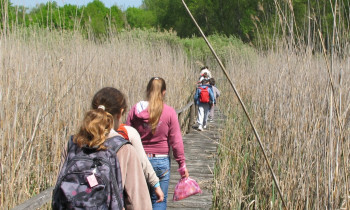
{"points": [[167, 134]]}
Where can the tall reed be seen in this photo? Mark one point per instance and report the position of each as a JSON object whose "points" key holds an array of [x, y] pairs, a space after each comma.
{"points": [[289, 97], [47, 81]]}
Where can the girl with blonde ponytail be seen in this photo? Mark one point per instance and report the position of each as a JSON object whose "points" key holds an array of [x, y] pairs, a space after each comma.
{"points": [[155, 95], [159, 129]]}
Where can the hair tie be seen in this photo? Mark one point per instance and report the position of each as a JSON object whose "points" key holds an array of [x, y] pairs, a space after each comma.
{"points": [[101, 107]]}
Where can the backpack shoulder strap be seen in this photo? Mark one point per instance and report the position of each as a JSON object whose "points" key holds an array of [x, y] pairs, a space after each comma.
{"points": [[115, 143], [70, 143], [71, 147]]}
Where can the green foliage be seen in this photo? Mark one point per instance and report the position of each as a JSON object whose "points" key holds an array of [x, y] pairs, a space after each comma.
{"points": [[51, 16], [197, 49], [116, 17], [95, 18], [153, 37], [171, 15], [219, 16], [139, 18], [260, 22], [160, 9], [70, 16]]}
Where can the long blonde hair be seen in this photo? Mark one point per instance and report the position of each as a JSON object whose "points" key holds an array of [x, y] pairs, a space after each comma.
{"points": [[155, 88], [99, 121]]}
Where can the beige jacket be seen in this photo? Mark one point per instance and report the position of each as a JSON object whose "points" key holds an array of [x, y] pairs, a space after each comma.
{"points": [[136, 194], [147, 168]]}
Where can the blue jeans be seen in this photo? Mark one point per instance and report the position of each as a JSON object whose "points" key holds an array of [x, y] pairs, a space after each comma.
{"points": [[161, 166]]}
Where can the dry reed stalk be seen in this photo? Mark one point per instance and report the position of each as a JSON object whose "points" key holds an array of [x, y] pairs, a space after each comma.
{"points": [[290, 101], [340, 121], [267, 161], [46, 86]]}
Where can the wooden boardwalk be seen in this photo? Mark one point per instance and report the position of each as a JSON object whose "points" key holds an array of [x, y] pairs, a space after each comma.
{"points": [[200, 152]]}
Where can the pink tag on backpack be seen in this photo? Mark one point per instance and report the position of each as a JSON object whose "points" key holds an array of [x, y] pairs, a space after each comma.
{"points": [[92, 180]]}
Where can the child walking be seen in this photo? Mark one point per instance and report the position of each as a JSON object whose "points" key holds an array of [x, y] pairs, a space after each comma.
{"points": [[119, 182], [205, 74], [159, 129], [216, 92], [204, 97], [204, 70]]}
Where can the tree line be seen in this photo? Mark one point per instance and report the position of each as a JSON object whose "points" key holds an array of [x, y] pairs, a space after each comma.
{"points": [[252, 21]]}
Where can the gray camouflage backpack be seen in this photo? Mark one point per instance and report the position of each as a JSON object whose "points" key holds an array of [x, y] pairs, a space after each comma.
{"points": [[90, 179]]}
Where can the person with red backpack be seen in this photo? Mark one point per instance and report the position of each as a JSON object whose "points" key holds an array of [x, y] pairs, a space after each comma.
{"points": [[203, 98]]}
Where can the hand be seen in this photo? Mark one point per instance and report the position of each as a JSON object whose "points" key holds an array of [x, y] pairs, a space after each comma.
{"points": [[186, 174], [159, 194]]}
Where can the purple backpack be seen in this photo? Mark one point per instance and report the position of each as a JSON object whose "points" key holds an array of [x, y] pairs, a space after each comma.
{"points": [[90, 179]]}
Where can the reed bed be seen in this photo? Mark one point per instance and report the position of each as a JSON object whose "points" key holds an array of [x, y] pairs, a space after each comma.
{"points": [[47, 81], [289, 97]]}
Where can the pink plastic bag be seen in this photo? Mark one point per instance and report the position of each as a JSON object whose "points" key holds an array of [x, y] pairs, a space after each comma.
{"points": [[185, 188]]}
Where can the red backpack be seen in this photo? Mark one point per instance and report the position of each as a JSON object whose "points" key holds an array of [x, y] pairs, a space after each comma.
{"points": [[204, 95]]}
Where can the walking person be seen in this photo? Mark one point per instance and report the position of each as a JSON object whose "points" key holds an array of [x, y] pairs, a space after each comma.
{"points": [[216, 92], [205, 70], [204, 74], [202, 77], [115, 103], [159, 129], [130, 133], [97, 137], [204, 97]]}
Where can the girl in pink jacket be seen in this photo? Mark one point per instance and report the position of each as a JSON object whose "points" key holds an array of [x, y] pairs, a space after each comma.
{"points": [[159, 129]]}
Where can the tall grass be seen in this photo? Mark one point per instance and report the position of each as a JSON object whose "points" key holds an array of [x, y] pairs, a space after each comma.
{"points": [[48, 78], [46, 85], [290, 100], [297, 92]]}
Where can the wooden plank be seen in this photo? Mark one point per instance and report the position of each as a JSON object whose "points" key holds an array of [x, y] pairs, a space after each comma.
{"points": [[36, 201], [184, 108], [200, 152]]}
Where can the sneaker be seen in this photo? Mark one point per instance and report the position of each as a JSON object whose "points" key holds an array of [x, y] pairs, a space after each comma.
{"points": [[200, 128], [205, 126]]}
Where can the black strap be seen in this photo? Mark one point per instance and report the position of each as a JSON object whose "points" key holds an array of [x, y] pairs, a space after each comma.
{"points": [[115, 148], [70, 143]]}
